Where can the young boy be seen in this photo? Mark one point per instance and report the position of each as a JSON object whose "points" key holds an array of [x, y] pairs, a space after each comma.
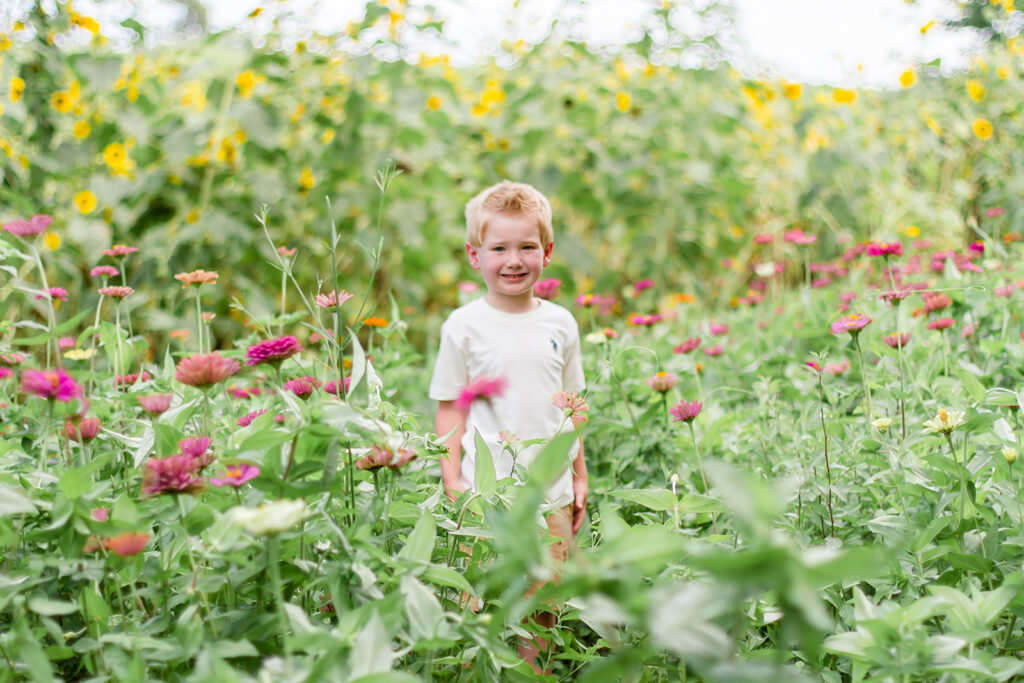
{"points": [[531, 343]]}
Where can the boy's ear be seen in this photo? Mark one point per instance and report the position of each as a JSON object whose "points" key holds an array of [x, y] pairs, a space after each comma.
{"points": [[547, 252], [474, 257]]}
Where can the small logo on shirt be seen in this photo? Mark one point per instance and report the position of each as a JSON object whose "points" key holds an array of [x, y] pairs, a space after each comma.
{"points": [[554, 344]]}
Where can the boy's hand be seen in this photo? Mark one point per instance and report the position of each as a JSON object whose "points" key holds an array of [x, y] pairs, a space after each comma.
{"points": [[579, 503], [454, 490]]}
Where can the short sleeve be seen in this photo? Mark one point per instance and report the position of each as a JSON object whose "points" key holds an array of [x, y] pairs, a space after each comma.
{"points": [[572, 370], [450, 374]]}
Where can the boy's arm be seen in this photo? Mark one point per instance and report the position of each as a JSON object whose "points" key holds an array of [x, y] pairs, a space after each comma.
{"points": [[579, 490], [450, 418]]}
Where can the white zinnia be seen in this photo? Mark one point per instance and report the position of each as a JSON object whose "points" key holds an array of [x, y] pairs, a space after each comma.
{"points": [[269, 519], [945, 421]]}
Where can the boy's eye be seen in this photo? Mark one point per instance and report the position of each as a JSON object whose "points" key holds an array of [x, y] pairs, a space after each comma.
{"points": [[499, 248]]}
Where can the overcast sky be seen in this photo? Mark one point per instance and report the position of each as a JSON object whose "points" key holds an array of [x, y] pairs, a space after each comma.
{"points": [[838, 42]]}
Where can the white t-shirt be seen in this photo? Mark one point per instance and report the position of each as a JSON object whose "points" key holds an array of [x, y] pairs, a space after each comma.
{"points": [[538, 354]]}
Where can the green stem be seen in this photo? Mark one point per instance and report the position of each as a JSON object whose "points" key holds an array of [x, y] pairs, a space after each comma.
{"points": [[51, 344], [273, 561], [199, 319], [864, 376], [828, 467]]}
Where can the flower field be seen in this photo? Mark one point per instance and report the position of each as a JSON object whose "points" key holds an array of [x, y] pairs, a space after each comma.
{"points": [[220, 306]]}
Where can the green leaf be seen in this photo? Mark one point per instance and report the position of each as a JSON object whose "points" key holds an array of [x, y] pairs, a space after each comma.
{"points": [[653, 499], [973, 386], [74, 484], [420, 545], [485, 479], [13, 503], [49, 607], [446, 576]]}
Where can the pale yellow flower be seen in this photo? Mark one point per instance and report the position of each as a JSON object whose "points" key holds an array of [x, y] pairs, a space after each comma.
{"points": [[945, 421], [81, 129], [975, 90], [269, 519], [623, 101]]}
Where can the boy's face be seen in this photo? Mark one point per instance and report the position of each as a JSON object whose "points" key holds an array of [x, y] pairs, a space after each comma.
{"points": [[510, 259]]}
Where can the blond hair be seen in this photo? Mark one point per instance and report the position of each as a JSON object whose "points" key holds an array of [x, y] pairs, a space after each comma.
{"points": [[508, 199]]}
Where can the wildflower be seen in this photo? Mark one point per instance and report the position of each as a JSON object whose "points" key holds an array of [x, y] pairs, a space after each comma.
{"points": [[792, 91], [119, 251], [85, 201], [374, 321], [853, 323], [127, 544], [247, 419], [687, 346], [1010, 454], [598, 337], [713, 351], [885, 249], [547, 288], [50, 384], [977, 246], [100, 514], [763, 238], [80, 354], [32, 226], [844, 96], [13, 358], [303, 387], [434, 103], [6, 372], [132, 378], [945, 421], [586, 300], [196, 447], [645, 320], [286, 252], [968, 330], [813, 365], [81, 129], [174, 474], [572, 406], [103, 271], [882, 424], [897, 340], [718, 328], [269, 519], [332, 386], [484, 388], [799, 237], [982, 128], [246, 392], [86, 430], [65, 343], [507, 438], [206, 369], [975, 90], [837, 368], [1004, 291], [385, 457], [936, 302], [994, 212], [686, 411], [941, 324], [54, 293], [115, 156], [642, 285], [662, 382], [908, 78], [236, 475], [273, 350], [894, 295], [155, 404], [332, 299], [197, 277], [115, 292]]}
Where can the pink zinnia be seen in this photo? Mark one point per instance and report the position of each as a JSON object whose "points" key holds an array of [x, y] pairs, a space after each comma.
{"points": [[65, 343], [6, 372], [385, 457], [686, 411], [1005, 291], [103, 271], [332, 300], [155, 404], [894, 295], [100, 514], [236, 475], [885, 249], [119, 250], [115, 292], [968, 330], [717, 328], [32, 226], [206, 369], [58, 293], [86, 430], [332, 386], [194, 446], [587, 300], [244, 392], [247, 419], [303, 387], [837, 368], [645, 319], [853, 323], [662, 381], [994, 212], [572, 406], [132, 378], [763, 238], [897, 340], [127, 544], [286, 252], [799, 237], [547, 288], [687, 346], [12, 358], [174, 474], [273, 350], [713, 351], [941, 324], [50, 384], [484, 388]]}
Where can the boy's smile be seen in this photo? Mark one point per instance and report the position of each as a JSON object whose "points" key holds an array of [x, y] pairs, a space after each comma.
{"points": [[510, 259]]}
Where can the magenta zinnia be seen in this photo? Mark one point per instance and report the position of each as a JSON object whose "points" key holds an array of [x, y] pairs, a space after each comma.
{"points": [[303, 387], [546, 288], [58, 293], [687, 345], [332, 386], [174, 474], [572, 406], [853, 323], [196, 447], [484, 388], [686, 411], [885, 249], [206, 369], [50, 384], [236, 475], [272, 350]]}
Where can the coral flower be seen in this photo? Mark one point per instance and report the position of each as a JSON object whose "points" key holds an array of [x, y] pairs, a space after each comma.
{"points": [[853, 323], [994, 212], [936, 302], [32, 226], [272, 350], [332, 300], [155, 404], [662, 382], [547, 288], [103, 271], [197, 277], [1005, 291], [941, 324], [50, 384], [286, 252], [85, 431], [686, 411], [54, 293], [896, 340], [120, 250], [385, 457], [206, 369], [687, 345], [572, 406], [116, 292], [236, 475], [303, 387], [484, 388], [968, 330], [885, 249], [127, 544], [174, 474]]}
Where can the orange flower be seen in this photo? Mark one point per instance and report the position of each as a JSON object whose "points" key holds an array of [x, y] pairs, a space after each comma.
{"points": [[374, 321], [127, 544]]}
